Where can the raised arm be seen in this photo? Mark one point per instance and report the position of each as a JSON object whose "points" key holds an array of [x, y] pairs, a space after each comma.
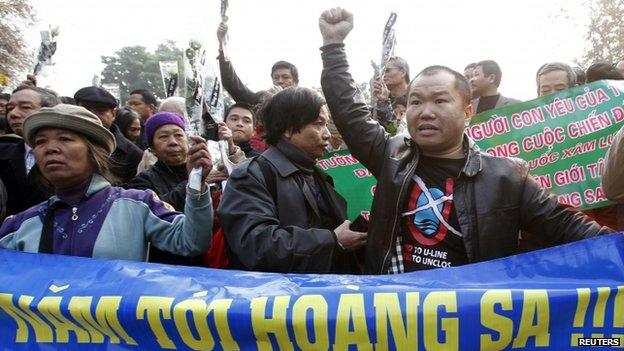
{"points": [[366, 139], [230, 80], [190, 234]]}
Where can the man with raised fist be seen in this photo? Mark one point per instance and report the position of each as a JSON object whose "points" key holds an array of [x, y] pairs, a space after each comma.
{"points": [[439, 201]]}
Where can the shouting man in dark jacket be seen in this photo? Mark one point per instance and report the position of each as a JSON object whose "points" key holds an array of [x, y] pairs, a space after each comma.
{"points": [[279, 212], [439, 200]]}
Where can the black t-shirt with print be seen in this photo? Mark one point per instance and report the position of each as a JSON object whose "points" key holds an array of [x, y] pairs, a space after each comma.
{"points": [[431, 233]]}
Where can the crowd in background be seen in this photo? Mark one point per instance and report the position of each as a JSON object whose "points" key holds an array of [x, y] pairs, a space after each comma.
{"points": [[88, 176]]}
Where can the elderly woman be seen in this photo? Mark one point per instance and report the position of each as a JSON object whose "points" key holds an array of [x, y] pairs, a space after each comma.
{"points": [[89, 217], [167, 141], [168, 176]]}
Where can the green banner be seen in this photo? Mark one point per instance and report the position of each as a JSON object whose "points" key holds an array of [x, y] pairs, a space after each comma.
{"points": [[563, 137], [351, 180]]}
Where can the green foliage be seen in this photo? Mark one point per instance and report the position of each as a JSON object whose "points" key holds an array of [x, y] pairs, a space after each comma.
{"points": [[605, 33], [133, 67]]}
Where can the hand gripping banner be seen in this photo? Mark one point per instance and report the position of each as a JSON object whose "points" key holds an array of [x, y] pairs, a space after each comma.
{"points": [[554, 299]]}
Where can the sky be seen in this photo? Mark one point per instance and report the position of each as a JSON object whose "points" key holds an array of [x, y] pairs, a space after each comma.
{"points": [[519, 35]]}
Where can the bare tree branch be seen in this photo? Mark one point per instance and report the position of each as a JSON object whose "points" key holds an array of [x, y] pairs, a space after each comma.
{"points": [[605, 33]]}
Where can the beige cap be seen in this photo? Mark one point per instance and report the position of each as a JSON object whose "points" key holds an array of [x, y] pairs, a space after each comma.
{"points": [[70, 117]]}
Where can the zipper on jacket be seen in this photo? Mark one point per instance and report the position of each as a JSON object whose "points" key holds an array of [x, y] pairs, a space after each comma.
{"points": [[74, 219], [396, 215]]}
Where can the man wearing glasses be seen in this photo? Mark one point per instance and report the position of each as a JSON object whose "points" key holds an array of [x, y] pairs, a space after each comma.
{"points": [[390, 91]]}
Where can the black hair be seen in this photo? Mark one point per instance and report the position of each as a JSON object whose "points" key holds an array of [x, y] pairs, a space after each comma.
{"points": [[4, 124], [244, 106], [290, 110], [400, 100], [68, 100], [287, 65], [603, 70], [262, 96], [47, 97], [470, 66], [124, 118], [491, 67], [581, 77], [148, 96], [461, 83]]}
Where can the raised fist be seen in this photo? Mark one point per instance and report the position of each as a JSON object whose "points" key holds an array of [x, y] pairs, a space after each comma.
{"points": [[335, 24], [222, 33]]}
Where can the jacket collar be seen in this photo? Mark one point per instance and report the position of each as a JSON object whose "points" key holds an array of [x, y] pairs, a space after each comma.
{"points": [[97, 183], [473, 159], [176, 171], [295, 155], [284, 166]]}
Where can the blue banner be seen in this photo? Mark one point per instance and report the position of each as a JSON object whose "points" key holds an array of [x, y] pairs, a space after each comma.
{"points": [[547, 299]]}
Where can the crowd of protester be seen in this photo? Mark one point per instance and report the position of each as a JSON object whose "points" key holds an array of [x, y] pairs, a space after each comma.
{"points": [[85, 176]]}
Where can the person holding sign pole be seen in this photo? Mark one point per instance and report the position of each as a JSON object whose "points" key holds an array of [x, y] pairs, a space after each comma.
{"points": [[283, 74], [439, 201], [390, 91]]}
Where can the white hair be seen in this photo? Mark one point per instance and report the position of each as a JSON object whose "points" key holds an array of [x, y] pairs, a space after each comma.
{"points": [[174, 104]]}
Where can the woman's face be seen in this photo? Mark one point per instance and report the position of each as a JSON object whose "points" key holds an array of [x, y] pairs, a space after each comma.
{"points": [[170, 145], [134, 130], [62, 157]]}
